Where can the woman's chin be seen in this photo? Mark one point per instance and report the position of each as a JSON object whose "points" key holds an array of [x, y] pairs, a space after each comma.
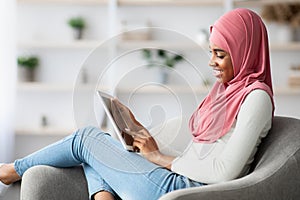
{"points": [[220, 80]]}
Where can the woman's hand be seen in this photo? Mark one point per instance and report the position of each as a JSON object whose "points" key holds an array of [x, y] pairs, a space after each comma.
{"points": [[144, 142], [149, 148], [142, 139]]}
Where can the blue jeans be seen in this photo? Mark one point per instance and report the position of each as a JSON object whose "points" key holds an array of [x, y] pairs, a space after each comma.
{"points": [[107, 166]]}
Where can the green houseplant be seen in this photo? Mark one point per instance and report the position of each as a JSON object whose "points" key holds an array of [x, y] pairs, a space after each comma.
{"points": [[27, 66], [163, 59], [284, 14], [78, 24]]}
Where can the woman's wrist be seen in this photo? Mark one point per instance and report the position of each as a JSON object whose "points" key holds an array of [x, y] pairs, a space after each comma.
{"points": [[162, 160]]}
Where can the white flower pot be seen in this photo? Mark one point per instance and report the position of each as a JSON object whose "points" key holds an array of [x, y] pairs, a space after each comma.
{"points": [[284, 33], [164, 75], [26, 74]]}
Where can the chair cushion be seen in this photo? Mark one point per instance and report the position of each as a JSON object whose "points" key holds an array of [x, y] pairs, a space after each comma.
{"points": [[282, 142]]}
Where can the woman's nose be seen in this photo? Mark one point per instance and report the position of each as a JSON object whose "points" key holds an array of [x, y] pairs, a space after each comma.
{"points": [[212, 63]]}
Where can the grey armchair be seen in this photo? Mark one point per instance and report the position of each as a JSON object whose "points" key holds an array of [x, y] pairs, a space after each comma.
{"points": [[275, 174]]}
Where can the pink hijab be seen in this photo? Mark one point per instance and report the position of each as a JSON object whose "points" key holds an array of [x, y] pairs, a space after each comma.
{"points": [[242, 33]]}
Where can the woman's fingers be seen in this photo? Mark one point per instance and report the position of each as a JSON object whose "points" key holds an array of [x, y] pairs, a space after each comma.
{"points": [[141, 133], [136, 144], [139, 143], [144, 141], [148, 147]]}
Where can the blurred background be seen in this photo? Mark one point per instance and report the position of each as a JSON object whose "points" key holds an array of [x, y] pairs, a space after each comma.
{"points": [[55, 54]]}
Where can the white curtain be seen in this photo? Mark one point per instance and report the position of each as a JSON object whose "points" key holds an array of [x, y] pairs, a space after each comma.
{"points": [[8, 76]]}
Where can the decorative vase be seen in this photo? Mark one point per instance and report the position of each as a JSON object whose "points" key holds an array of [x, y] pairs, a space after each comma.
{"points": [[296, 34], [84, 76], [284, 33], [26, 74], [78, 33], [164, 75]]}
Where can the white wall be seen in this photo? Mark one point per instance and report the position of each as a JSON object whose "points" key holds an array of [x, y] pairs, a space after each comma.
{"points": [[7, 78], [47, 23]]}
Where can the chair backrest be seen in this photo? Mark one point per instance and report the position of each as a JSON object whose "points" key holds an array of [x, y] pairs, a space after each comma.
{"points": [[281, 143]]}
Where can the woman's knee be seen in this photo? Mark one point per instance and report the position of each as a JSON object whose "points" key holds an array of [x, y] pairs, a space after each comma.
{"points": [[85, 137], [90, 131]]}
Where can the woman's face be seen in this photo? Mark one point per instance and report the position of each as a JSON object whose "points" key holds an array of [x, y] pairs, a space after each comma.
{"points": [[221, 63]]}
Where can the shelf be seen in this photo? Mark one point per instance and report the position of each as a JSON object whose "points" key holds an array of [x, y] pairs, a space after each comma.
{"points": [[50, 87], [170, 3], [68, 2], [164, 89], [198, 90], [194, 46], [47, 87], [258, 3], [44, 131], [80, 44], [161, 44], [44, 87], [291, 46], [91, 44], [287, 91], [48, 131]]}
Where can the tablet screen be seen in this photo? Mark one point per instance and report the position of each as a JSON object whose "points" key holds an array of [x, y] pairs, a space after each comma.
{"points": [[118, 123]]}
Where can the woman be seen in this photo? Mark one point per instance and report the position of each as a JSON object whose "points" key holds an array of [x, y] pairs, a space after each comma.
{"points": [[227, 127]]}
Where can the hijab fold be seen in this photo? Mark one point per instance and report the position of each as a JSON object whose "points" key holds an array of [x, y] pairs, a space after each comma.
{"points": [[243, 35]]}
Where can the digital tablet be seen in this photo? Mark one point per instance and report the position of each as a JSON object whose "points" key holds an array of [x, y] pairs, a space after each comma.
{"points": [[125, 139]]}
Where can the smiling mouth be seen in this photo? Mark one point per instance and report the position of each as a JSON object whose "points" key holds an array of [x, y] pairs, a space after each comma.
{"points": [[217, 72]]}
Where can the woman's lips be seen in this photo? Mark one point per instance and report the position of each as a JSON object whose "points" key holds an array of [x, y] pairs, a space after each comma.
{"points": [[217, 72]]}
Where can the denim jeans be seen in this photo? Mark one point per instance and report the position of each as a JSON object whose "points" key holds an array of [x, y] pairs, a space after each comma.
{"points": [[107, 166]]}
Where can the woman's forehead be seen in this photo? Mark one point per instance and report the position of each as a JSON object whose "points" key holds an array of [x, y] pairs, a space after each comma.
{"points": [[216, 48]]}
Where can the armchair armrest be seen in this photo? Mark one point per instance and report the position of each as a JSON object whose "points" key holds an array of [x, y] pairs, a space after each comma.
{"points": [[45, 182]]}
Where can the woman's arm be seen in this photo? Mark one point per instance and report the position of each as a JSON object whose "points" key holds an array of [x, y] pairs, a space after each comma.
{"points": [[254, 118], [143, 141], [149, 148]]}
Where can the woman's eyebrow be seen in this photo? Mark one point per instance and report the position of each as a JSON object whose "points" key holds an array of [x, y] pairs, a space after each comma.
{"points": [[217, 50]]}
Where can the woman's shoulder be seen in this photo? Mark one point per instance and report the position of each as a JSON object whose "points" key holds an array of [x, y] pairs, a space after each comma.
{"points": [[259, 96], [256, 111], [257, 104]]}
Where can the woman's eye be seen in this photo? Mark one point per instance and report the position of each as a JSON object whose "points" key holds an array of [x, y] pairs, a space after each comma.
{"points": [[220, 56]]}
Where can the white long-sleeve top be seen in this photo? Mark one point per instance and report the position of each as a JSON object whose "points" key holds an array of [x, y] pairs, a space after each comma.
{"points": [[230, 156]]}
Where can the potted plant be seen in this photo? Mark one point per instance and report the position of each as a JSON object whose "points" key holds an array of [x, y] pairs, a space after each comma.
{"points": [[78, 24], [287, 16], [296, 25], [27, 66], [162, 58]]}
